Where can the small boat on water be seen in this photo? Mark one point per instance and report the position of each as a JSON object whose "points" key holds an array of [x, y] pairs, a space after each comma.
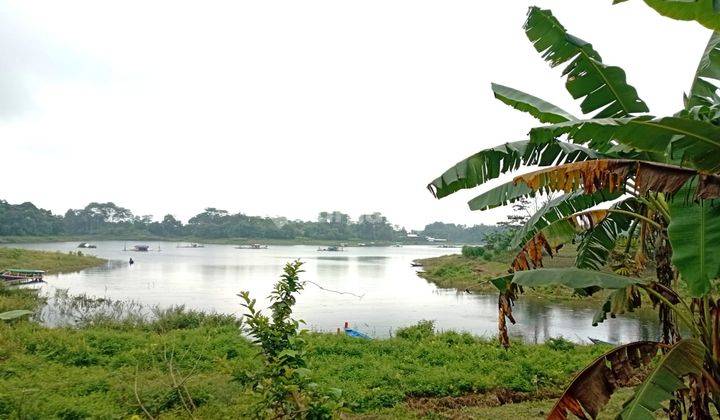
{"points": [[332, 248], [355, 333], [15, 276], [192, 245], [416, 264], [252, 246], [86, 245], [140, 248]]}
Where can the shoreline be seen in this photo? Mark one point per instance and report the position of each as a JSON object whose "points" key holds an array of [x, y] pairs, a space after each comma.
{"points": [[9, 240]]}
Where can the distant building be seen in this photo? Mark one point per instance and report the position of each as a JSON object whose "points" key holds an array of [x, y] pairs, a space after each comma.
{"points": [[431, 239], [335, 217]]}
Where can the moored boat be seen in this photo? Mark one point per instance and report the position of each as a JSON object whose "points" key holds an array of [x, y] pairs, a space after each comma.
{"points": [[192, 245], [332, 248], [252, 246], [351, 332], [13, 276], [86, 245]]}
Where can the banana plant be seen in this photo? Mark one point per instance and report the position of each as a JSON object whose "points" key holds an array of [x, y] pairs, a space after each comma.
{"points": [[15, 314], [705, 12], [622, 174]]}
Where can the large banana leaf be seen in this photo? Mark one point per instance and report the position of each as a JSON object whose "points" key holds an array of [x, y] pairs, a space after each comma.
{"points": [[17, 313], [685, 358], [595, 175], [538, 108], [597, 243], [695, 142], [501, 195], [491, 163], [603, 87], [618, 302], [703, 91], [705, 12], [600, 174], [591, 389], [694, 233], [573, 278], [557, 210], [592, 176]]}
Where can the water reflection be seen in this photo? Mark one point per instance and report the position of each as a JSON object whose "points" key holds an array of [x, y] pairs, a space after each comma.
{"points": [[393, 295]]}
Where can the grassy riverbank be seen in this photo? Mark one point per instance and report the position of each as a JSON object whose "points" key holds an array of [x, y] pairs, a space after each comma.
{"points": [[473, 274], [51, 262], [112, 368]]}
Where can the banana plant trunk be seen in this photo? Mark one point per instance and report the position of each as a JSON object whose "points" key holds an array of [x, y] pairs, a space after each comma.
{"points": [[666, 275]]}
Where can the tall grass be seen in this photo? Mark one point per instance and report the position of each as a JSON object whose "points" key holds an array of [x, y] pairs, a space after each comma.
{"points": [[51, 262]]}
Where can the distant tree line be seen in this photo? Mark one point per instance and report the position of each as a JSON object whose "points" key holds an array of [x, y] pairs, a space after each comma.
{"points": [[109, 219]]}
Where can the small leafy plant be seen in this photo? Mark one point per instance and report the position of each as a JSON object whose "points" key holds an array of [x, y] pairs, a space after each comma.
{"points": [[284, 385]]}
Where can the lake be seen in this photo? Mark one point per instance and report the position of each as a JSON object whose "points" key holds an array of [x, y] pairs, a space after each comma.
{"points": [[382, 292]]}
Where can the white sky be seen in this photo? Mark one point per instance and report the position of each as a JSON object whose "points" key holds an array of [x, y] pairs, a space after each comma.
{"points": [[290, 107]]}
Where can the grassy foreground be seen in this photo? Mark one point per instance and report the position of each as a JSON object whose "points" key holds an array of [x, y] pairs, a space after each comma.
{"points": [[108, 371]]}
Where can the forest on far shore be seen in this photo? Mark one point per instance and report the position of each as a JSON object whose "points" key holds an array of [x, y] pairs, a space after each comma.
{"points": [[108, 219]]}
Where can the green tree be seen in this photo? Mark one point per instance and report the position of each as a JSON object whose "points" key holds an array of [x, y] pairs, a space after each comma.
{"points": [[660, 174], [284, 384]]}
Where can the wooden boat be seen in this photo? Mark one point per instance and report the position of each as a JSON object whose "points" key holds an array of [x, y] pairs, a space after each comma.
{"points": [[332, 248], [355, 333], [597, 341], [86, 245], [13, 276], [193, 245], [252, 246]]}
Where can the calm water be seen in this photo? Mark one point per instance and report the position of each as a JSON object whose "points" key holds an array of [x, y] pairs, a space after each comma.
{"points": [[392, 295]]}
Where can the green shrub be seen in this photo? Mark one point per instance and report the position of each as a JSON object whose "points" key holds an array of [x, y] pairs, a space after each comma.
{"points": [[177, 317], [473, 251], [422, 330], [559, 344]]}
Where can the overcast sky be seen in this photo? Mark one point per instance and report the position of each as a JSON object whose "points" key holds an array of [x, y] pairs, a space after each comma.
{"points": [[290, 107]]}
